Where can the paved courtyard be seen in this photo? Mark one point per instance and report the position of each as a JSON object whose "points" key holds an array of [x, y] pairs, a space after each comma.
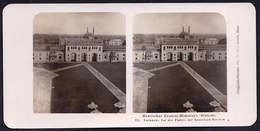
{"points": [[173, 86], [53, 66], [76, 87], [215, 72], [115, 72]]}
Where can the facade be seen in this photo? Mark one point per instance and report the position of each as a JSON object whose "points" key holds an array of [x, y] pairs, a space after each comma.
{"points": [[87, 48], [211, 41], [212, 53], [82, 50], [115, 42], [42, 90], [46, 53], [114, 53], [179, 49], [146, 53], [184, 47]]}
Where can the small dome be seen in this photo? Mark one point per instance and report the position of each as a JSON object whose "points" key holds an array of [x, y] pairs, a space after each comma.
{"points": [[88, 35], [184, 35]]}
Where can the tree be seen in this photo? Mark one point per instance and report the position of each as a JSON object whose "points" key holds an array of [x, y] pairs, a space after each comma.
{"points": [[208, 55], [124, 43], [112, 56], [222, 41], [143, 54]]}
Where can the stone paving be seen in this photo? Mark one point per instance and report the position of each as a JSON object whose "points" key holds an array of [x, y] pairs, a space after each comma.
{"points": [[110, 86], [66, 68], [163, 67], [222, 99]]}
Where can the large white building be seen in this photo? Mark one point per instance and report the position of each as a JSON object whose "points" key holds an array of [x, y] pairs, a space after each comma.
{"points": [[47, 53], [114, 53], [146, 53], [178, 49], [211, 41], [185, 47], [115, 42], [212, 53], [86, 48]]}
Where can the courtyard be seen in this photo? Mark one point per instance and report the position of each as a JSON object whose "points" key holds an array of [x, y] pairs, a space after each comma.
{"points": [[172, 87], [76, 87]]}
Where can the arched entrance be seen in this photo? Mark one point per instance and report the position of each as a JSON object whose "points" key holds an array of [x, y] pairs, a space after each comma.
{"points": [[52, 56], [169, 56], [73, 57], [180, 56], [60, 56], [106, 57], [156, 56], [112, 56], [190, 56], [94, 57], [83, 57], [148, 55]]}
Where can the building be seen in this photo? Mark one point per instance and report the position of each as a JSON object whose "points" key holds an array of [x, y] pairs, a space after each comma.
{"points": [[81, 49], [48, 53], [183, 47], [114, 53], [146, 53], [179, 49], [212, 53], [42, 90], [211, 41], [115, 42], [85, 48]]}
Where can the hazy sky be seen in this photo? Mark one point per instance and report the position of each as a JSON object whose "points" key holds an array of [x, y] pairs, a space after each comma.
{"points": [[76, 23], [200, 23]]}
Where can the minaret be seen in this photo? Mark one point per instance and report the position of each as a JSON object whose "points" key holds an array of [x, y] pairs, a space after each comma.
{"points": [[93, 30], [87, 29], [189, 29], [182, 28]]}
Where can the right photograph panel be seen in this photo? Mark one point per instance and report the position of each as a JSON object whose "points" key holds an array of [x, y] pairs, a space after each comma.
{"points": [[180, 63]]}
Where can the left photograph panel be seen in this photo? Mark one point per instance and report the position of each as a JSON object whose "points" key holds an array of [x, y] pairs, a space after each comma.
{"points": [[79, 63]]}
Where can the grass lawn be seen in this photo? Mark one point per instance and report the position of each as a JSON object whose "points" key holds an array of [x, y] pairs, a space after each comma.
{"points": [[149, 66], [114, 72], [53, 66], [172, 87], [76, 88], [214, 72]]}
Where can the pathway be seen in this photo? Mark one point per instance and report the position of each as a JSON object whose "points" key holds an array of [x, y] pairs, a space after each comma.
{"points": [[109, 85], [163, 67], [222, 99], [66, 68]]}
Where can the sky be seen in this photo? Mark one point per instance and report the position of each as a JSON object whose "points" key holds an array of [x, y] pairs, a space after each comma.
{"points": [[77, 23], [200, 23]]}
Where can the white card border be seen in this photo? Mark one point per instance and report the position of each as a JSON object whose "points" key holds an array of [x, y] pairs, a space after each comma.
{"points": [[17, 41]]}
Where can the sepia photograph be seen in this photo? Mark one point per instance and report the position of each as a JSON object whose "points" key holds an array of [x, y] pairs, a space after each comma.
{"points": [[79, 63], [180, 62], [129, 65]]}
